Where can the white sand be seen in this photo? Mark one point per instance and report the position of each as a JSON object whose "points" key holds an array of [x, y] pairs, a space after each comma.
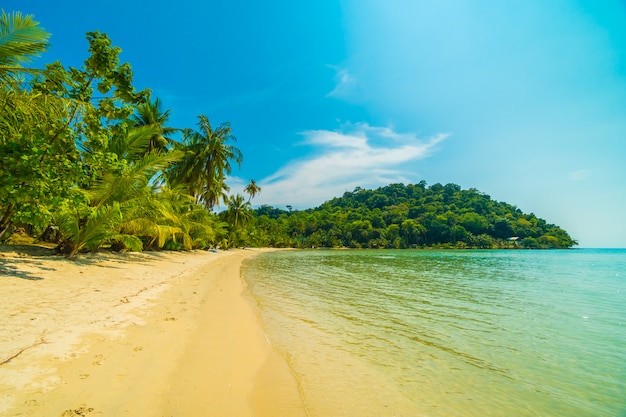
{"points": [[150, 334]]}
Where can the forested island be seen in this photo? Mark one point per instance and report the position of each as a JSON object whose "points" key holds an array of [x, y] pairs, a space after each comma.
{"points": [[88, 162], [408, 216]]}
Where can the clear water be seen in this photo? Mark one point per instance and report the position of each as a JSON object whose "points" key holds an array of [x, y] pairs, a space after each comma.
{"points": [[449, 333]]}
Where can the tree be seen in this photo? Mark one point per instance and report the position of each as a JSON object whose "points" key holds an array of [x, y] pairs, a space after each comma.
{"points": [[238, 215], [151, 114], [238, 212], [123, 203], [474, 223], [36, 172], [207, 161], [21, 39], [33, 168], [252, 189]]}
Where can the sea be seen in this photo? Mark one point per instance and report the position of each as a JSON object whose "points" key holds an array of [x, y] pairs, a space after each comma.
{"points": [[373, 333]]}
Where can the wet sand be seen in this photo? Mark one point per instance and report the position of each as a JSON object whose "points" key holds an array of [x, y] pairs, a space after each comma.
{"points": [[149, 334]]}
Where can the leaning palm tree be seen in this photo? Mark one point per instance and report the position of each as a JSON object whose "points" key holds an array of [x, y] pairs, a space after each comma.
{"points": [[207, 162], [21, 40], [151, 114], [252, 189]]}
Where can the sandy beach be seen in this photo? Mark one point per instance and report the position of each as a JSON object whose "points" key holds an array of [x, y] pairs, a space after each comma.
{"points": [[140, 334]]}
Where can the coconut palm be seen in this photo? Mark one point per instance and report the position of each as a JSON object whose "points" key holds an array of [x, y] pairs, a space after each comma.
{"points": [[207, 162], [21, 39], [151, 114], [123, 204], [197, 227], [238, 215], [252, 189]]}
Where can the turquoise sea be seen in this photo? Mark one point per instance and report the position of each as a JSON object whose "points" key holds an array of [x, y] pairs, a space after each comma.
{"points": [[449, 333]]}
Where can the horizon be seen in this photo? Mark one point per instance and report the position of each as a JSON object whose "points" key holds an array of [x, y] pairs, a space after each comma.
{"points": [[525, 102]]}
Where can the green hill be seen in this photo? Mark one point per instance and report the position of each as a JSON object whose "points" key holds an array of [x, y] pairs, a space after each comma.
{"points": [[406, 216]]}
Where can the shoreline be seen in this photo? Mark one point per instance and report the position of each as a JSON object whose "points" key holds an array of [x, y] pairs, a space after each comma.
{"points": [[148, 334]]}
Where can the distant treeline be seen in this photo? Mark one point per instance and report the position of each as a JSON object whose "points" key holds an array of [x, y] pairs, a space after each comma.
{"points": [[407, 216]]}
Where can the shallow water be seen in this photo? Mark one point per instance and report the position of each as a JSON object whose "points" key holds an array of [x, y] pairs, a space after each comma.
{"points": [[449, 333]]}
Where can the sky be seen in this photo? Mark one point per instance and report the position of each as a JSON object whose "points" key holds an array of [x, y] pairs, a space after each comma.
{"points": [[524, 100]]}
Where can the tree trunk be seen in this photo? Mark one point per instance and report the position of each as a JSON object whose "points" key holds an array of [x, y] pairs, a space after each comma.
{"points": [[5, 223]]}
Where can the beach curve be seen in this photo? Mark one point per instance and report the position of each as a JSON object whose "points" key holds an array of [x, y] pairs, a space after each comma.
{"points": [[148, 334]]}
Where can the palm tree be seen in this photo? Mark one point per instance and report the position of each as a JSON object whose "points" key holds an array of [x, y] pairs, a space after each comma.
{"points": [[124, 203], [252, 189], [21, 39], [207, 162], [238, 215], [151, 114]]}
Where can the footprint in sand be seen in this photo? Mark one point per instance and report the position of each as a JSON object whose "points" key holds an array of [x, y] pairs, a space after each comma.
{"points": [[80, 411], [99, 360]]}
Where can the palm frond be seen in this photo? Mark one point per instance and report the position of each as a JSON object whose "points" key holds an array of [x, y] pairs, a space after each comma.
{"points": [[21, 39], [134, 143], [131, 242], [91, 232]]}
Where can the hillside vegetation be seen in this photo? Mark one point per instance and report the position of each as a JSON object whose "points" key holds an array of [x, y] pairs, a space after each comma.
{"points": [[405, 216]]}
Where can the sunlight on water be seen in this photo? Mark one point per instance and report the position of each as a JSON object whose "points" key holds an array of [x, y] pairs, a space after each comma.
{"points": [[449, 333]]}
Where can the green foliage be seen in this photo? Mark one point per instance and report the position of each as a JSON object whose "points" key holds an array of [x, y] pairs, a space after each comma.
{"points": [[399, 216], [81, 149], [21, 39], [151, 114], [208, 153], [252, 189], [36, 171]]}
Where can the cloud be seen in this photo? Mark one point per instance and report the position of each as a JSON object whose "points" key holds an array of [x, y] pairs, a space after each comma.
{"points": [[363, 156], [345, 83]]}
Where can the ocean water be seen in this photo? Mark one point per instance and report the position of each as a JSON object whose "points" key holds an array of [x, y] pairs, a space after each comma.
{"points": [[448, 333]]}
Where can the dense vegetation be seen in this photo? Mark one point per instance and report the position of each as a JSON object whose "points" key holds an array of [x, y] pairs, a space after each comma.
{"points": [[399, 216], [89, 162]]}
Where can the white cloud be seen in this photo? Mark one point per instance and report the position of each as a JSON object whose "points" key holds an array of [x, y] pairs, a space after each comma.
{"points": [[342, 162], [345, 83]]}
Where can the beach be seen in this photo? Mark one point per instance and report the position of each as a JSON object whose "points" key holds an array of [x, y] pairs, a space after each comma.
{"points": [[149, 334]]}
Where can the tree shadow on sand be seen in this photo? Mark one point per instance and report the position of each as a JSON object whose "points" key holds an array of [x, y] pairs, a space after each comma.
{"points": [[13, 257], [114, 257], [9, 269]]}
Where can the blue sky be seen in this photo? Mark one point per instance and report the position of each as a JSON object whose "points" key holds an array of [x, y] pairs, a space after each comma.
{"points": [[524, 100]]}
